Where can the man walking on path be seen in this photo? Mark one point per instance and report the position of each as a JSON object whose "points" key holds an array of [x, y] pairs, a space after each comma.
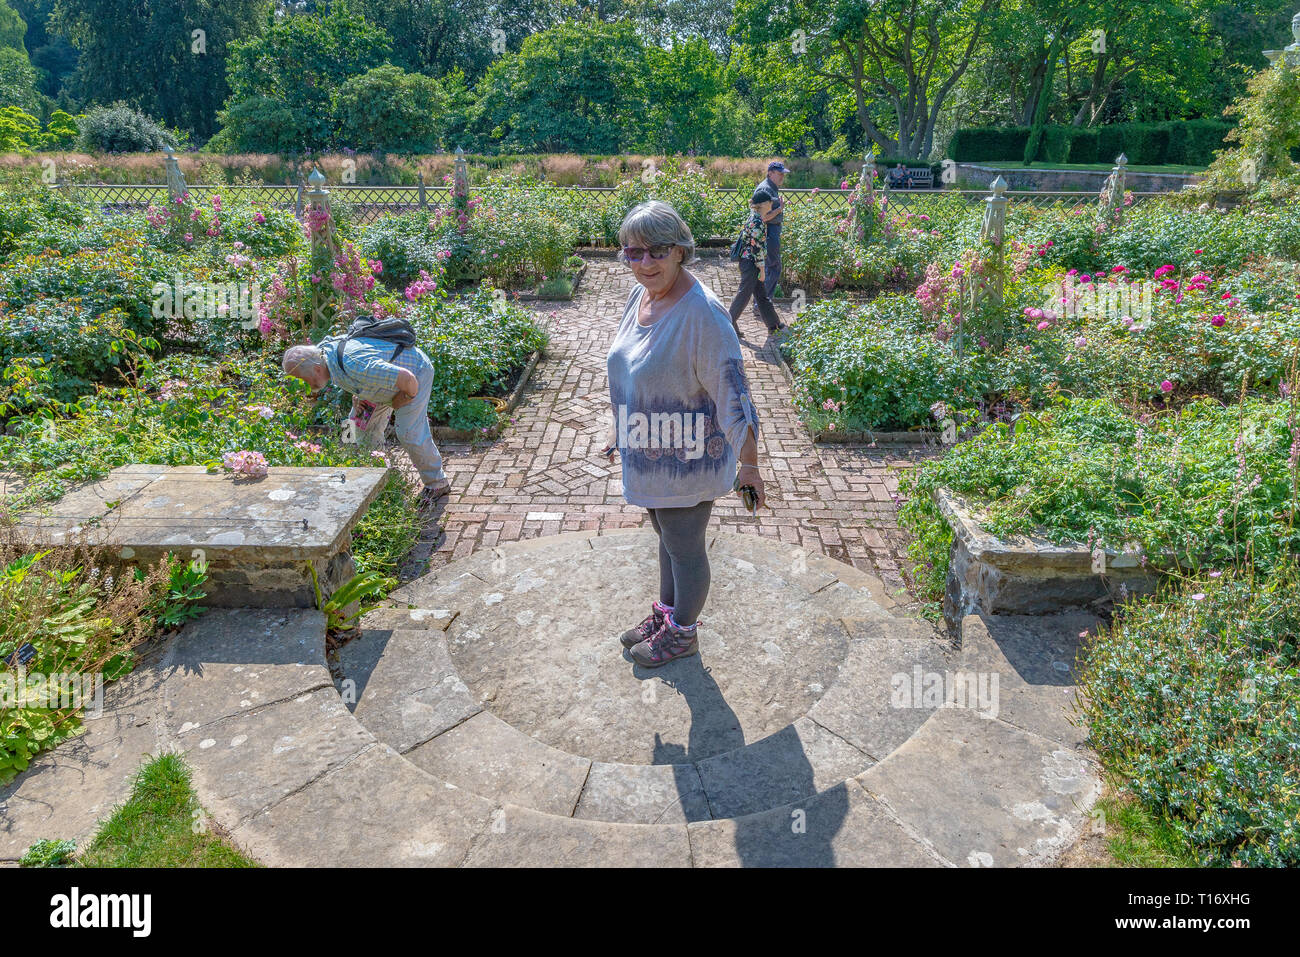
{"points": [[760, 251], [380, 383], [769, 191]]}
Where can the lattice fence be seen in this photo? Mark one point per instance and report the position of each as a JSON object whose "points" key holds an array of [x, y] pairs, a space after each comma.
{"points": [[367, 203]]}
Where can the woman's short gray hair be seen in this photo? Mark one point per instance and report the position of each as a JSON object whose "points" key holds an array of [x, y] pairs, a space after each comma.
{"points": [[655, 223], [300, 359]]}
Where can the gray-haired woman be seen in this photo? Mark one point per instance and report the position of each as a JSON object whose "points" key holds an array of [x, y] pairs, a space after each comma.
{"points": [[682, 417]]}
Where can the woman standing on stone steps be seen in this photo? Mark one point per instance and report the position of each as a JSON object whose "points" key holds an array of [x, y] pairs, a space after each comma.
{"points": [[682, 417]]}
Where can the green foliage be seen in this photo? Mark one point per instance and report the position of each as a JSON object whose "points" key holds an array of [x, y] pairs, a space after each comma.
{"points": [[1194, 699], [1176, 142], [69, 311], [48, 853], [26, 204], [476, 344], [120, 129], [173, 73], [389, 109], [405, 244], [577, 87], [365, 590], [271, 109], [160, 825], [19, 131], [1267, 137], [81, 616], [18, 81], [1205, 486]]}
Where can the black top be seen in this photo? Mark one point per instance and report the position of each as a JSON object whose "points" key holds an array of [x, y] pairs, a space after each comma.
{"points": [[766, 192]]}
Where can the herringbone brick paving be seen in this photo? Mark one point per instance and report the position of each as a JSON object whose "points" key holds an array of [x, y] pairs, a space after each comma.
{"points": [[544, 475]]}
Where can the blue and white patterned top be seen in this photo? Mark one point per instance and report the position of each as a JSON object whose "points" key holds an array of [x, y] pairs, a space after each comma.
{"points": [[368, 373], [682, 406]]}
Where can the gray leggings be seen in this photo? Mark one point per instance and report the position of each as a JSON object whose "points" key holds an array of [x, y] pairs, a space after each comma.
{"points": [[683, 558]]}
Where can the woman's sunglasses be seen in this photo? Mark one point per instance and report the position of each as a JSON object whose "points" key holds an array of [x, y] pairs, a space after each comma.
{"points": [[634, 254]]}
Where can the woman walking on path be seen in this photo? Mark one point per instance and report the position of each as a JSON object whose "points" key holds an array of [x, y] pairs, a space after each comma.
{"points": [[682, 418]]}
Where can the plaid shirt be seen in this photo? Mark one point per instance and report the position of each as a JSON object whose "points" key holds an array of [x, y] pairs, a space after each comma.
{"points": [[370, 373]]}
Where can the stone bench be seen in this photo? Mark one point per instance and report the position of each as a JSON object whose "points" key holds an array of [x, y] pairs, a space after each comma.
{"points": [[255, 536]]}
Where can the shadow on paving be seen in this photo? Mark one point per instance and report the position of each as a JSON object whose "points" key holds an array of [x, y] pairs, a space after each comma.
{"points": [[806, 839]]}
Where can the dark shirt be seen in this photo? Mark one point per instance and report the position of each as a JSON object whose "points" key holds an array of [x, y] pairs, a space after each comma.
{"points": [[766, 192]]}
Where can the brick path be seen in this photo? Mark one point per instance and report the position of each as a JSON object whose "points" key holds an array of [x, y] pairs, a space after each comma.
{"points": [[543, 476]]}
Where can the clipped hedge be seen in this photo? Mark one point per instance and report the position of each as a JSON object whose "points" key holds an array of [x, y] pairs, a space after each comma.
{"points": [[1174, 142]]}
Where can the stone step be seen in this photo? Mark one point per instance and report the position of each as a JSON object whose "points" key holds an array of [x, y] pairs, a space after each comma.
{"points": [[871, 703], [1035, 659], [984, 793], [402, 685], [523, 837], [408, 693], [494, 760], [841, 826]]}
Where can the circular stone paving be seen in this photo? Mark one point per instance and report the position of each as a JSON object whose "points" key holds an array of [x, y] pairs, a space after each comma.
{"points": [[536, 640]]}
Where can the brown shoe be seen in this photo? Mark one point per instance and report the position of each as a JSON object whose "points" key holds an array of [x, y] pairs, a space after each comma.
{"points": [[668, 644], [435, 491], [647, 629]]}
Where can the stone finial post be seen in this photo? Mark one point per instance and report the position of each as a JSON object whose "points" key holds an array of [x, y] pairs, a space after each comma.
{"points": [[176, 187], [1112, 194], [1293, 49], [866, 197], [323, 250], [460, 179], [993, 229], [423, 202]]}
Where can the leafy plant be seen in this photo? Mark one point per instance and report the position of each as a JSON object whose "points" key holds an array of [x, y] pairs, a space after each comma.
{"points": [[48, 853], [364, 589]]}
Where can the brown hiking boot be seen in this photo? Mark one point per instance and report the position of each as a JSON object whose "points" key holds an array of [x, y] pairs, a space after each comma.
{"points": [[647, 629], [668, 644]]}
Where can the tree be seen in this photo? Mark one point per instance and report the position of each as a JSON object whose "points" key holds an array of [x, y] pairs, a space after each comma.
{"points": [[148, 54], [282, 83], [578, 87], [13, 29], [18, 81], [907, 54], [391, 110], [683, 87], [52, 55], [435, 37]]}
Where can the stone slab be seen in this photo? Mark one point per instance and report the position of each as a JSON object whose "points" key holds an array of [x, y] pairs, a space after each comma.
{"points": [[493, 760], [522, 837], [248, 762], [643, 794], [412, 692], [765, 656], [231, 661], [64, 794], [377, 810], [791, 765], [291, 514], [985, 794], [863, 705], [1036, 659], [842, 826]]}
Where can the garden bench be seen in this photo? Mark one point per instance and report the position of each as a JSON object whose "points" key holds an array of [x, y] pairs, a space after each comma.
{"points": [[912, 177], [255, 537]]}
